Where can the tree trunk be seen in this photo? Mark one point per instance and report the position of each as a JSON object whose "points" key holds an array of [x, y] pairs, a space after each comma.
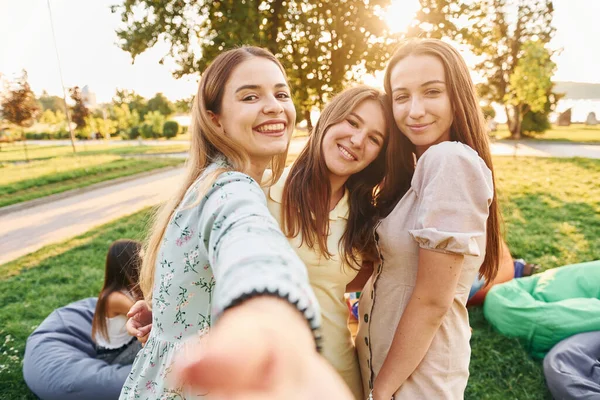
{"points": [[25, 144], [309, 125], [514, 122]]}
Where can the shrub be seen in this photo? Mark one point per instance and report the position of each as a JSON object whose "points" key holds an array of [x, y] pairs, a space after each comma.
{"points": [[170, 129]]}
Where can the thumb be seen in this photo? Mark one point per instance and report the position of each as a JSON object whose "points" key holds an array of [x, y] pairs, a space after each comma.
{"points": [[233, 359]]}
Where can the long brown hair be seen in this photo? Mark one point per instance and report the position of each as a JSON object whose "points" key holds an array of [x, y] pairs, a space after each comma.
{"points": [[207, 144], [468, 127], [123, 262], [306, 193]]}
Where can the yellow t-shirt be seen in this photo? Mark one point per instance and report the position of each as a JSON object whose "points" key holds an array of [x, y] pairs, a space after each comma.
{"points": [[328, 278]]}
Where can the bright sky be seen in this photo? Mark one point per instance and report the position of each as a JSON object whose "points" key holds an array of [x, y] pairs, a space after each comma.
{"points": [[85, 34]]}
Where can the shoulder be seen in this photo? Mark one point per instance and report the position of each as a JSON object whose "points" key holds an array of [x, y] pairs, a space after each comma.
{"points": [[275, 192], [452, 162], [118, 304]]}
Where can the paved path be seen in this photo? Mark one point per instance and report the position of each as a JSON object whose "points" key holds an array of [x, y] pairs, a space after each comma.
{"points": [[28, 230], [25, 231]]}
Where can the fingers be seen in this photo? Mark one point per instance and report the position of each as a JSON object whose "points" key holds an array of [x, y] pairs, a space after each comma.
{"points": [[138, 307], [234, 359], [145, 330]]}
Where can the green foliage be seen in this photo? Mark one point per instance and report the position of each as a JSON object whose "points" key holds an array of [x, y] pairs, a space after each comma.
{"points": [[170, 129], [161, 104], [134, 101], [322, 44], [52, 103], [153, 125], [134, 132], [184, 106], [496, 31], [488, 112]]}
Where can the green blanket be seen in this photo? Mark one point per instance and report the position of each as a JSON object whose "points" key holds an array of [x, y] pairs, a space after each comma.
{"points": [[543, 309]]}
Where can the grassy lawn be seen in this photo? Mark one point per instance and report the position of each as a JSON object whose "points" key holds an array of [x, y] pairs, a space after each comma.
{"points": [[552, 216], [27, 181], [15, 152], [575, 133]]}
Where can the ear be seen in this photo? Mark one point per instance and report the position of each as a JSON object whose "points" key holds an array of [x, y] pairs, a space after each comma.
{"points": [[216, 122]]}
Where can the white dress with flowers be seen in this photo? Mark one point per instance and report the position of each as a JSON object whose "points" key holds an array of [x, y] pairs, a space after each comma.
{"points": [[215, 253]]}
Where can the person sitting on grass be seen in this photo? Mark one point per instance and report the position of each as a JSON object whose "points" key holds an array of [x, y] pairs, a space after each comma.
{"points": [[119, 293]]}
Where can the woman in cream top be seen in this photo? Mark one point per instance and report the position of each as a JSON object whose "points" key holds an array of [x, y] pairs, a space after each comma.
{"points": [[333, 180], [328, 279]]}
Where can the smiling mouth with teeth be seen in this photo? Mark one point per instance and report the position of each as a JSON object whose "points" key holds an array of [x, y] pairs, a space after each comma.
{"points": [[346, 153], [271, 128]]}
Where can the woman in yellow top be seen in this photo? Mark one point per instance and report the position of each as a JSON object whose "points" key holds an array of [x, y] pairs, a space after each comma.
{"points": [[324, 204]]}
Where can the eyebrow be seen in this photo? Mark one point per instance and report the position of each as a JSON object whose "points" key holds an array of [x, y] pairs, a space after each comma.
{"points": [[362, 121], [425, 84], [244, 87]]}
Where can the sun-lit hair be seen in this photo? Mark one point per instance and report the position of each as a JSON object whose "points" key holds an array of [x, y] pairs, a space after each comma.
{"points": [[468, 127], [121, 272], [305, 205], [207, 144]]}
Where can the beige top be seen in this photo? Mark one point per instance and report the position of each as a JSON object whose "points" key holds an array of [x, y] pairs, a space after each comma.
{"points": [[328, 278], [445, 209]]}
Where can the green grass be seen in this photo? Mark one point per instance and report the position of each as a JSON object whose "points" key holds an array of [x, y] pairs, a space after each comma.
{"points": [[578, 133], [14, 152], [37, 179], [552, 215]]}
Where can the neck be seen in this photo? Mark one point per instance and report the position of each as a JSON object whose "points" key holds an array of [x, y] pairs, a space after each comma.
{"points": [[337, 190], [257, 169]]}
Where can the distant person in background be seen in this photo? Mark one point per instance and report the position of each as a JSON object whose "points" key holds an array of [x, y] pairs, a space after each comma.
{"points": [[119, 293]]}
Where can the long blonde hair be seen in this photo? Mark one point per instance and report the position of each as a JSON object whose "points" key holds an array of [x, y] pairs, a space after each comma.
{"points": [[468, 127], [207, 144]]}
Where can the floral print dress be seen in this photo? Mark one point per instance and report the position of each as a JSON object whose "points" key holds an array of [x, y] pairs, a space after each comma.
{"points": [[217, 250]]}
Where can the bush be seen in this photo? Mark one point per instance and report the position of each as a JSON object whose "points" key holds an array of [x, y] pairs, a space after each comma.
{"points": [[535, 123], [147, 131], [134, 133], [170, 129]]}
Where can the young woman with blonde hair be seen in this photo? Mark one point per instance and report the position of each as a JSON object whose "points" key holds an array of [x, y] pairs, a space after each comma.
{"points": [[440, 229], [216, 252]]}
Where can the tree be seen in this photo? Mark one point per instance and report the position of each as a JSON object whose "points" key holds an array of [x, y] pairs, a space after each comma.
{"points": [[184, 106], [154, 122], [19, 106], [529, 83], [134, 101], [494, 30], [52, 103], [161, 104], [322, 44], [79, 112], [170, 129]]}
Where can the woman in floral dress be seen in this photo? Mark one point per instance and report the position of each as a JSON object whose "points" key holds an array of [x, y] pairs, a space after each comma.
{"points": [[216, 255]]}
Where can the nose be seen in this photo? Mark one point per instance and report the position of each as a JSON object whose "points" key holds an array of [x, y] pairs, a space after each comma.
{"points": [[417, 108], [272, 106], [357, 139]]}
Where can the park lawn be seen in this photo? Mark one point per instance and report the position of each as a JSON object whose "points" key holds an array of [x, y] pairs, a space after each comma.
{"points": [[551, 210], [577, 133], [28, 181], [15, 152]]}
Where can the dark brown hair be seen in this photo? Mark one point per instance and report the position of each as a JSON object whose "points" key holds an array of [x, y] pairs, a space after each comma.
{"points": [[123, 262], [468, 127], [306, 194]]}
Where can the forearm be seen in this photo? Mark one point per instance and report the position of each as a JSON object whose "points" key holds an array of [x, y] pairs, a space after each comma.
{"points": [[412, 339]]}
